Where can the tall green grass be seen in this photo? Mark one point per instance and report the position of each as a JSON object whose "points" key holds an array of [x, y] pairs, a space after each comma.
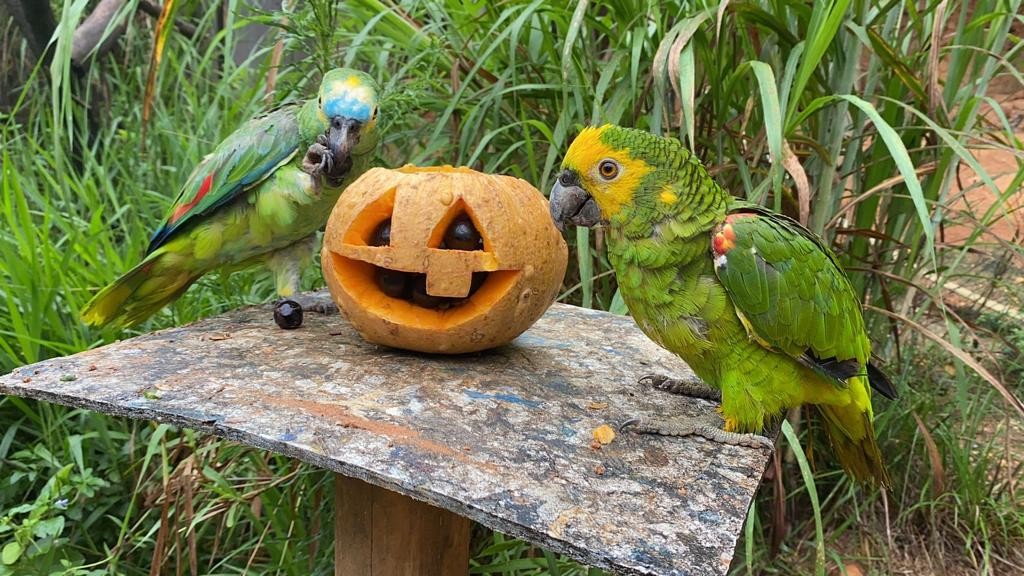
{"points": [[858, 117]]}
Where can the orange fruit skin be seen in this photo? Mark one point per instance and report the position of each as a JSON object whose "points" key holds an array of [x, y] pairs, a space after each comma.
{"points": [[524, 254]]}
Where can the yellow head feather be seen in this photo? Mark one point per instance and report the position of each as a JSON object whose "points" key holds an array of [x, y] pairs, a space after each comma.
{"points": [[584, 157]]}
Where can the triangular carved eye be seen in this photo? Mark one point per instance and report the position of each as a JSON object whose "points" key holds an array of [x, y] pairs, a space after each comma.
{"points": [[360, 232], [458, 229]]}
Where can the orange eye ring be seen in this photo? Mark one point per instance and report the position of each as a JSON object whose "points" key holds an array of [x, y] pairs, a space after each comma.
{"points": [[608, 169]]}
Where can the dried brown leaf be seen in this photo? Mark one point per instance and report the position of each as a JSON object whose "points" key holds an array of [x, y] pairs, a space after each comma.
{"points": [[803, 187], [934, 456], [159, 40]]}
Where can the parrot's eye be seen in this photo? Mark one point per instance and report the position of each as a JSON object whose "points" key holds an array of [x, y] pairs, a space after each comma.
{"points": [[608, 169]]}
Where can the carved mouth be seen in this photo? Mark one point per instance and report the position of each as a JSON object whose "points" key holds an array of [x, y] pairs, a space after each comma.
{"points": [[360, 279]]}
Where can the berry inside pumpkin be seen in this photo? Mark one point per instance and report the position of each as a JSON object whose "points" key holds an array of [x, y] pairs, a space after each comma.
{"points": [[461, 234]]}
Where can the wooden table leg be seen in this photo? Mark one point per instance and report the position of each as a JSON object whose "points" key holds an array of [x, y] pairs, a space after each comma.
{"points": [[381, 533]]}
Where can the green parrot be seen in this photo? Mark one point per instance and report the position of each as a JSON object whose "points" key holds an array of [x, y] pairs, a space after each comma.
{"points": [[754, 302], [258, 198]]}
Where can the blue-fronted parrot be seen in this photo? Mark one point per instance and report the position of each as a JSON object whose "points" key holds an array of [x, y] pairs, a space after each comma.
{"points": [[755, 303], [258, 198]]}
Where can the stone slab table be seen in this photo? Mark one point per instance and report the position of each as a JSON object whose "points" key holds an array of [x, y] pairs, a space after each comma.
{"points": [[424, 444]]}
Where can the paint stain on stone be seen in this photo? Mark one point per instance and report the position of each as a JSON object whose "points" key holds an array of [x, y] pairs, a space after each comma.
{"points": [[504, 397], [397, 434]]}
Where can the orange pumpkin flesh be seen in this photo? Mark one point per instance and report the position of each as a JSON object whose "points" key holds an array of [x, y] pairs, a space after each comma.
{"points": [[523, 255]]}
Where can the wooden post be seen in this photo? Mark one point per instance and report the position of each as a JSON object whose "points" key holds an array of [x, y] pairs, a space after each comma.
{"points": [[382, 533]]}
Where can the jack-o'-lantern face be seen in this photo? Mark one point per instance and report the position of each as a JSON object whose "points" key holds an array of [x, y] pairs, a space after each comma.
{"points": [[442, 259]]}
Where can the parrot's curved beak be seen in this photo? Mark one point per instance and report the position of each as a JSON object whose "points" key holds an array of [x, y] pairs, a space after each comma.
{"points": [[342, 137], [570, 203]]}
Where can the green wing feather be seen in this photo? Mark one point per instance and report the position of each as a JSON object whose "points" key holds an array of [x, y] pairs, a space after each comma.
{"points": [[242, 160], [790, 291]]}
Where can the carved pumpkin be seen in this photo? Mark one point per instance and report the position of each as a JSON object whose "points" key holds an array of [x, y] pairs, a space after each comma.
{"points": [[442, 260]]}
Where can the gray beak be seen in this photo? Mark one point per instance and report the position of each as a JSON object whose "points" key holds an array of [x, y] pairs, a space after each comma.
{"points": [[570, 203], [342, 136]]}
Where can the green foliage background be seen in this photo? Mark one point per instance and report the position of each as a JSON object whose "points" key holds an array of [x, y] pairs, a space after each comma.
{"points": [[880, 106]]}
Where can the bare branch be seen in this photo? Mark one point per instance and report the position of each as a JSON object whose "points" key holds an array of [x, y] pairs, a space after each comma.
{"points": [[154, 10], [88, 40]]}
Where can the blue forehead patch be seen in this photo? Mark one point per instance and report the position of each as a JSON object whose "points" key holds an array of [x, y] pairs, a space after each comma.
{"points": [[348, 107]]}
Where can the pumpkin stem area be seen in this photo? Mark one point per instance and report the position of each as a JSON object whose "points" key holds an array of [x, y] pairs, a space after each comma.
{"points": [[446, 169]]}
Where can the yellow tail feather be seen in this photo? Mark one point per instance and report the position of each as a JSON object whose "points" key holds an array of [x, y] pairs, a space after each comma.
{"points": [[852, 436], [138, 294]]}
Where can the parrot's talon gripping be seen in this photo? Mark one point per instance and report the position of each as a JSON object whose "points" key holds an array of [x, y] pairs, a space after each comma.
{"points": [[686, 427], [318, 160], [694, 387], [321, 308], [627, 423], [288, 314]]}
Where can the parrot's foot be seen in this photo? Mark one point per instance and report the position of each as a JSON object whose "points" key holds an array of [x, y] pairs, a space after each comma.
{"points": [[321, 308], [288, 314], [686, 427], [318, 160], [693, 387]]}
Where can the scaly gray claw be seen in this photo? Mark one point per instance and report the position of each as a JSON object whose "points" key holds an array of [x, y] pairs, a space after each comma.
{"points": [[318, 159], [695, 388], [687, 427], [627, 423]]}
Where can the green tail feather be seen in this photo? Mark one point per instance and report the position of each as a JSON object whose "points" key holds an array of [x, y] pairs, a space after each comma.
{"points": [[138, 294], [853, 440]]}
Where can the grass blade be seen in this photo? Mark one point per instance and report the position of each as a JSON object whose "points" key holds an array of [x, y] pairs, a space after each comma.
{"points": [[812, 492]]}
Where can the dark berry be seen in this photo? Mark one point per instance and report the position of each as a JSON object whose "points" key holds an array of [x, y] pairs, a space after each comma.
{"points": [[394, 283], [382, 235], [420, 296], [462, 235], [288, 314], [478, 280]]}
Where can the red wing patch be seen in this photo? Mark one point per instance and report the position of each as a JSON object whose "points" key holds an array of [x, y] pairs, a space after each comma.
{"points": [[723, 240], [184, 208], [725, 237], [738, 216]]}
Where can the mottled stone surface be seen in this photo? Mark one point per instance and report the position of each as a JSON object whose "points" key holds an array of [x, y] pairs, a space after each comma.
{"points": [[503, 437]]}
